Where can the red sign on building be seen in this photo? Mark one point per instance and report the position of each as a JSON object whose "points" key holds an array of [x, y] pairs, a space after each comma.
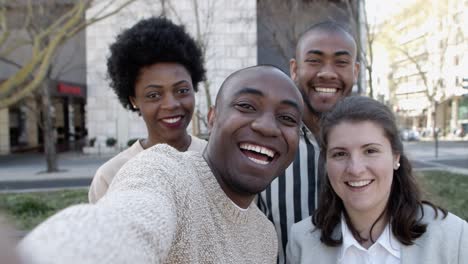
{"points": [[68, 89]]}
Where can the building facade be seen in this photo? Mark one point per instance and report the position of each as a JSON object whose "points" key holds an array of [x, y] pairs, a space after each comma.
{"points": [[427, 46]]}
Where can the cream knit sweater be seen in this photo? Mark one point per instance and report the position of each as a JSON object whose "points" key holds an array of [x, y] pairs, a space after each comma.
{"points": [[106, 173], [164, 206]]}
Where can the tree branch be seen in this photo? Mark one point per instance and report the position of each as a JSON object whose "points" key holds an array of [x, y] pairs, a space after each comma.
{"points": [[174, 12], [10, 62], [97, 19], [3, 23], [45, 46]]}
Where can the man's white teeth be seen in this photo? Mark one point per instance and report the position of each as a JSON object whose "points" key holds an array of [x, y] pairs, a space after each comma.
{"points": [[259, 149], [261, 162], [172, 120], [359, 183], [326, 90]]}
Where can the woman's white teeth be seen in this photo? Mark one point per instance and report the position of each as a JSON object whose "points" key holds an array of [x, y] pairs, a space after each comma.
{"points": [[359, 183], [326, 90], [259, 149], [172, 120], [262, 162]]}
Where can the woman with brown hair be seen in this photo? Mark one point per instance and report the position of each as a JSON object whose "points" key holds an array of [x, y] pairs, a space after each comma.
{"points": [[370, 208]]}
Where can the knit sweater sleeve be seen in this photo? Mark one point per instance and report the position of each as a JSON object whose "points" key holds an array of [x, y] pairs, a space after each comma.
{"points": [[135, 222]]}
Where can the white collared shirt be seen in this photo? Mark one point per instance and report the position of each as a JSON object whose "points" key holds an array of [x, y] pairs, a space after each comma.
{"points": [[386, 250]]}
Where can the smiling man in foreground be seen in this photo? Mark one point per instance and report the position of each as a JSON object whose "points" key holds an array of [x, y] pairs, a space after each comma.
{"points": [[166, 206]]}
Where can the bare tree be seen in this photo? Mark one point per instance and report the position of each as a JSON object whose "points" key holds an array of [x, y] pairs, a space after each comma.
{"points": [[367, 52], [427, 59], [425, 54], [46, 34], [48, 24]]}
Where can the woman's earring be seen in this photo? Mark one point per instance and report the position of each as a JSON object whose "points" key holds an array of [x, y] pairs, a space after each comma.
{"points": [[397, 166]]}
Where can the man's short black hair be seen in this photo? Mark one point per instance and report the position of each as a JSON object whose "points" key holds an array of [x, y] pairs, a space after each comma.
{"points": [[328, 26], [237, 72], [151, 41]]}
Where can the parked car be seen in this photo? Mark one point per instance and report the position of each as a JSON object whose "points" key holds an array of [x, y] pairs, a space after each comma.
{"points": [[407, 134]]}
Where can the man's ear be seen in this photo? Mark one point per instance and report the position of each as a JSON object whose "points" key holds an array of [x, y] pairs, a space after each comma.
{"points": [[293, 69], [211, 117], [357, 68]]}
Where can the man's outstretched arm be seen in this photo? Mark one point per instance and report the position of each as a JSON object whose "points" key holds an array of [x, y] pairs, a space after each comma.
{"points": [[134, 222]]}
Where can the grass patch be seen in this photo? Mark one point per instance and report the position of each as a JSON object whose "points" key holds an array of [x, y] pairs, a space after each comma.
{"points": [[26, 210], [449, 190]]}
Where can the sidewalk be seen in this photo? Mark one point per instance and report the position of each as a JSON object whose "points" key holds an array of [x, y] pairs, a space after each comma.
{"points": [[27, 170], [443, 165]]}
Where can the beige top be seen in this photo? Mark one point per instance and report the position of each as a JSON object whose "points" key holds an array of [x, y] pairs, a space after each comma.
{"points": [[108, 170], [163, 206]]}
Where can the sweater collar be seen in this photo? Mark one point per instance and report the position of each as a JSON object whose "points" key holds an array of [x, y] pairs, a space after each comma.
{"points": [[226, 206]]}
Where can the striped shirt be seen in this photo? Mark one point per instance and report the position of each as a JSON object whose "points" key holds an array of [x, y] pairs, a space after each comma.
{"points": [[293, 196]]}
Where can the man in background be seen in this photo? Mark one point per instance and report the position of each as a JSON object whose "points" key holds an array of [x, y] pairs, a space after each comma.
{"points": [[325, 68]]}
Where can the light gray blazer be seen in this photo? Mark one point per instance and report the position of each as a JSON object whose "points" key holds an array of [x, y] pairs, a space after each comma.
{"points": [[444, 242]]}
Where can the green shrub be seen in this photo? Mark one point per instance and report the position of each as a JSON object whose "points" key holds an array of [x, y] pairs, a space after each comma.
{"points": [[92, 141], [131, 141], [110, 142]]}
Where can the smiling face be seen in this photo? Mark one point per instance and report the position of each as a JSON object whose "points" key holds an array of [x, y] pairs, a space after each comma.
{"points": [[255, 130], [360, 165], [325, 68], [165, 97]]}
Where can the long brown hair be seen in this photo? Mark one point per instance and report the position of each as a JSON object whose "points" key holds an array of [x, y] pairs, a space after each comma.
{"points": [[404, 202]]}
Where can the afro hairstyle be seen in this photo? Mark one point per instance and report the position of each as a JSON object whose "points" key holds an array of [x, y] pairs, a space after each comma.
{"points": [[150, 41]]}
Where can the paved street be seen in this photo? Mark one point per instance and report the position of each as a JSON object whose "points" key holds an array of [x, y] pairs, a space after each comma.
{"points": [[25, 171], [452, 155]]}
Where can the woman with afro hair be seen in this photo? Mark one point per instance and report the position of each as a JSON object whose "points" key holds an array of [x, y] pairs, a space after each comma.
{"points": [[154, 68]]}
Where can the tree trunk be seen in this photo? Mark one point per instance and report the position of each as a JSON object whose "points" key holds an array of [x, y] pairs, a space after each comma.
{"points": [[435, 130], [371, 86], [48, 128], [206, 85]]}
